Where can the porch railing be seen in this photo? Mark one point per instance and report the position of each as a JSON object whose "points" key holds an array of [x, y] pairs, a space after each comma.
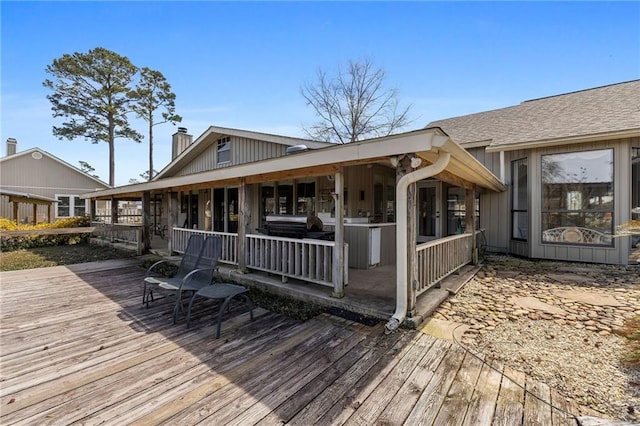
{"points": [[179, 237], [304, 259], [440, 258], [119, 233]]}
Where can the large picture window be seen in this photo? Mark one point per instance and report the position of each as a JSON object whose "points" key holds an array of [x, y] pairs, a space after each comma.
{"points": [[519, 214], [577, 197]]}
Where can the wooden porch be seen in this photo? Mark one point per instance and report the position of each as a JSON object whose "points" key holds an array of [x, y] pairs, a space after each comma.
{"points": [[76, 345]]}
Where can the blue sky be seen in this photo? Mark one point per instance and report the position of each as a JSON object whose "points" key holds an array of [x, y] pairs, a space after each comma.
{"points": [[241, 64]]}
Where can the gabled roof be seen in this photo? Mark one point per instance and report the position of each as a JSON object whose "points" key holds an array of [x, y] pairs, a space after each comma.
{"points": [[425, 143], [213, 133], [54, 158], [611, 111]]}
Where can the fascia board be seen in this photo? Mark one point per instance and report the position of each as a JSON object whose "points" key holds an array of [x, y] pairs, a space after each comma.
{"points": [[565, 141]]}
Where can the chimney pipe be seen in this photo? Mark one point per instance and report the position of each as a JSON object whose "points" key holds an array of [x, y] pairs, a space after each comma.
{"points": [[12, 146], [181, 141]]}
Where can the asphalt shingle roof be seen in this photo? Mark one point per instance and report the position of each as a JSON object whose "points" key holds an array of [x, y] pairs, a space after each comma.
{"points": [[601, 110]]}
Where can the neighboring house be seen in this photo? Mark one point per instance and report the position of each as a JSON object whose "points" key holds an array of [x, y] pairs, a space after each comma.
{"points": [[44, 187], [572, 164], [550, 178]]}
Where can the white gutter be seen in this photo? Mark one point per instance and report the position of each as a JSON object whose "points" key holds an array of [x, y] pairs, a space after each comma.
{"points": [[401, 235]]}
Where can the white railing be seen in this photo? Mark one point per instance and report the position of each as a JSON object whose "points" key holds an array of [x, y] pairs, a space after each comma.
{"points": [[304, 259], [440, 258], [180, 236]]}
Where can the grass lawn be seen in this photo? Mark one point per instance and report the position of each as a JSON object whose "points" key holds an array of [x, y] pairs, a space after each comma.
{"points": [[58, 255]]}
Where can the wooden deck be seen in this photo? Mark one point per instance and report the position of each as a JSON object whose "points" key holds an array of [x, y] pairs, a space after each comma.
{"points": [[77, 346]]}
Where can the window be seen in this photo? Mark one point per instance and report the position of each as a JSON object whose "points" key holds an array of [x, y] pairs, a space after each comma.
{"points": [[79, 207], [224, 150], [635, 192], [64, 203], [519, 216], [577, 197], [457, 210], [70, 205]]}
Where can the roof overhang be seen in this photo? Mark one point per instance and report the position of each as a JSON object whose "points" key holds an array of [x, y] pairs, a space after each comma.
{"points": [[425, 143], [27, 198], [543, 143]]}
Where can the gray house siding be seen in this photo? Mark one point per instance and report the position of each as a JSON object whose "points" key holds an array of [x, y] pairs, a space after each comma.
{"points": [[495, 208], [45, 176], [243, 150], [619, 253]]}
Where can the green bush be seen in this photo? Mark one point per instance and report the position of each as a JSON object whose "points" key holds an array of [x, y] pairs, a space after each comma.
{"points": [[32, 241]]}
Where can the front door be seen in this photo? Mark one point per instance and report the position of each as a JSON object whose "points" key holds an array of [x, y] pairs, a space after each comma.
{"points": [[429, 211]]}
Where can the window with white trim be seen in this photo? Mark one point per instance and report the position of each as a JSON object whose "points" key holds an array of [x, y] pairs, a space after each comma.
{"points": [[224, 150], [70, 206]]}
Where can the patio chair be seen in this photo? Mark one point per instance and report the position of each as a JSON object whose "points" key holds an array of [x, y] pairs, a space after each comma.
{"points": [[225, 293], [200, 277], [188, 263]]}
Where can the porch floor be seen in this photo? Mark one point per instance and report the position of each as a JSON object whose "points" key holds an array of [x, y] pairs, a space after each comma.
{"points": [[76, 345]]}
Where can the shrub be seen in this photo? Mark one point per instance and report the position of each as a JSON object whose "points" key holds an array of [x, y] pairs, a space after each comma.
{"points": [[35, 240]]}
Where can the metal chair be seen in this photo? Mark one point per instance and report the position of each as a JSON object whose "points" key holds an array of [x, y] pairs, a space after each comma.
{"points": [[224, 292], [188, 263], [200, 277]]}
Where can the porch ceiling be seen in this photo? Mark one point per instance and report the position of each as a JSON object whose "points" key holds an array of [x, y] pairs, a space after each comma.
{"points": [[425, 143]]}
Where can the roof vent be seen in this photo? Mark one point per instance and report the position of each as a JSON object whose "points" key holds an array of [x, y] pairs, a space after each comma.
{"points": [[296, 148], [182, 130]]}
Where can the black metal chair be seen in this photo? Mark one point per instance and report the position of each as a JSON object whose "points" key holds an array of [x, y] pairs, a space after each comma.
{"points": [[224, 292], [188, 263]]}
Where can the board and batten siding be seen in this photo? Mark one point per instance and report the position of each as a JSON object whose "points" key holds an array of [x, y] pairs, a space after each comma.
{"points": [[46, 177], [619, 253], [495, 207], [243, 150]]}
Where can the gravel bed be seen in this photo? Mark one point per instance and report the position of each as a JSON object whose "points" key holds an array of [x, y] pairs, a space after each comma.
{"points": [[575, 349]]}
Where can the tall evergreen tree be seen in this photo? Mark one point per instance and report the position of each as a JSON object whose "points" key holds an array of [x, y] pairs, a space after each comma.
{"points": [[153, 93], [92, 92]]}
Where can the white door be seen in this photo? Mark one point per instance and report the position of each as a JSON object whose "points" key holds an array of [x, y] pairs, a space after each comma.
{"points": [[429, 205]]}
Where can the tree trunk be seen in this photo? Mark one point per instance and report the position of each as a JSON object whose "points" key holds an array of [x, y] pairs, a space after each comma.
{"points": [[150, 149]]}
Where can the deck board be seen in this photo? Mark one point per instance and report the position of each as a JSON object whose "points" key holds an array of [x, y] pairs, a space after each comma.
{"points": [[78, 346]]}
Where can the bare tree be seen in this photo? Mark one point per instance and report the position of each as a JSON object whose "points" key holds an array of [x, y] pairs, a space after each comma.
{"points": [[354, 104], [152, 93]]}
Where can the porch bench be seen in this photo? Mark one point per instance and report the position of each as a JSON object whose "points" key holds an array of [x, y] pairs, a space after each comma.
{"points": [[575, 234]]}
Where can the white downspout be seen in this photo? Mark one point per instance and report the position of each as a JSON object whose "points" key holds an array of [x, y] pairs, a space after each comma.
{"points": [[401, 235]]}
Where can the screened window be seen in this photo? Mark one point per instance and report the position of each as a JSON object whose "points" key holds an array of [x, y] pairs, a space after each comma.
{"points": [[457, 211], [519, 205], [224, 150], [577, 197]]}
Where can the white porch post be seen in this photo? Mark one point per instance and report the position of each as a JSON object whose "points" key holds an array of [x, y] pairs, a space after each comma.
{"points": [[338, 252], [146, 221], [172, 218], [244, 215]]}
